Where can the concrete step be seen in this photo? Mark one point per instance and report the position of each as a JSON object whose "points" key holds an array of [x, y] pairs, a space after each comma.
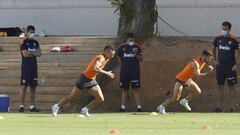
{"points": [[45, 71], [64, 40], [54, 56], [40, 97], [43, 89], [41, 80], [47, 48], [44, 106], [47, 64], [52, 53]]}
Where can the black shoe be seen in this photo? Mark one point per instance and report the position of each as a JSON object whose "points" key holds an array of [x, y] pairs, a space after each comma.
{"points": [[21, 109], [232, 110], [123, 110], [218, 110], [139, 110], [34, 109]]}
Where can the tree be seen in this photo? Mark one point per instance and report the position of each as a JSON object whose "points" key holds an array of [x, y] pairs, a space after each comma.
{"points": [[136, 16]]}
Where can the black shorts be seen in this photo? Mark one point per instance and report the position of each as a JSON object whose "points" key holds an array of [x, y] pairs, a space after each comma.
{"points": [[184, 84], [29, 80], [130, 77], [224, 72], [85, 83]]}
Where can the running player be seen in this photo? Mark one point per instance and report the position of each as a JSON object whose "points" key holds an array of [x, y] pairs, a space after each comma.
{"points": [[88, 81], [184, 79]]}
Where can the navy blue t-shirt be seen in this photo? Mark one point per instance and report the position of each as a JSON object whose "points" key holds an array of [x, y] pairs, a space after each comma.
{"points": [[127, 54], [226, 47], [29, 64]]}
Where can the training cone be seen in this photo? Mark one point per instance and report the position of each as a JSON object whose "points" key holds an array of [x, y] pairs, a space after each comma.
{"points": [[206, 127], [153, 113], [114, 132]]}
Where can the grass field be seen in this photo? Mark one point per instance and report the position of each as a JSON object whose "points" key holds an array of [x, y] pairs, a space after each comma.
{"points": [[123, 123]]}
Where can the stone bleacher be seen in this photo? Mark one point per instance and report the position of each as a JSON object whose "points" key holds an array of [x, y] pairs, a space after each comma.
{"points": [[58, 71]]}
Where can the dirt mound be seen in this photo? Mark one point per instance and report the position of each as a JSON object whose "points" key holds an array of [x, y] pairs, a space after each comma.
{"points": [[163, 59]]}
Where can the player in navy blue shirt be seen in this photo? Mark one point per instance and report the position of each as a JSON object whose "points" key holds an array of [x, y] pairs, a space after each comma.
{"points": [[130, 54], [30, 49], [224, 47]]}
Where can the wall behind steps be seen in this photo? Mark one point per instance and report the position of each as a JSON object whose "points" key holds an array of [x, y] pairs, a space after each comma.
{"points": [[96, 17], [61, 17]]}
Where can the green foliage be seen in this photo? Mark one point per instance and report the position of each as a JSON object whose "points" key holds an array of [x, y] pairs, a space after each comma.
{"points": [[123, 9]]}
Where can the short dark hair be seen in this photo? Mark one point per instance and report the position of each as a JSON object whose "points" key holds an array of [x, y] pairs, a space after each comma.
{"points": [[228, 24], [130, 35], [30, 27], [108, 47], [207, 53]]}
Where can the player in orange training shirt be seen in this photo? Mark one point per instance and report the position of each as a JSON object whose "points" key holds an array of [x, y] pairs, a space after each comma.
{"points": [[184, 79], [88, 81]]}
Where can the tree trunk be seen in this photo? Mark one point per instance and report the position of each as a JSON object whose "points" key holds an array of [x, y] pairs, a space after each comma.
{"points": [[138, 17]]}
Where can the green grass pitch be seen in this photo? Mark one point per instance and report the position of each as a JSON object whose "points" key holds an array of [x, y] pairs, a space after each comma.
{"points": [[123, 123]]}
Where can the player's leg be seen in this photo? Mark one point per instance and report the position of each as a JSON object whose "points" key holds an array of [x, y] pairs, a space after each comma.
{"points": [[232, 81], [96, 92], [178, 87], [137, 99], [220, 98], [32, 107], [33, 86], [22, 97], [25, 82], [76, 92], [232, 97], [195, 91], [136, 84], [125, 93], [124, 85], [221, 76]]}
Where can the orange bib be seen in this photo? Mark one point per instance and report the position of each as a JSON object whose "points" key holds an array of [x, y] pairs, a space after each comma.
{"points": [[188, 72], [89, 71]]}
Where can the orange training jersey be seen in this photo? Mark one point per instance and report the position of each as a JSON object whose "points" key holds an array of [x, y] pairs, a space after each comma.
{"points": [[188, 72], [89, 71]]}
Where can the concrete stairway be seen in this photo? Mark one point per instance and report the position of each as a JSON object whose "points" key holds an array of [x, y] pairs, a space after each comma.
{"points": [[58, 71]]}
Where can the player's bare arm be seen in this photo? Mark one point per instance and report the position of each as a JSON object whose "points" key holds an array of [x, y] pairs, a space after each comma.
{"points": [[197, 70], [139, 57], [26, 53], [236, 66], [215, 56], [98, 69], [38, 53]]}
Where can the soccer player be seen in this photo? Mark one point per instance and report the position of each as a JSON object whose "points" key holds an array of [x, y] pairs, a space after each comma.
{"points": [[224, 47], [29, 72], [88, 81], [184, 79], [130, 55]]}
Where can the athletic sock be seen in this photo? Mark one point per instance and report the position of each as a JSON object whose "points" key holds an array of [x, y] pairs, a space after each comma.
{"points": [[123, 106], [31, 106], [85, 109]]}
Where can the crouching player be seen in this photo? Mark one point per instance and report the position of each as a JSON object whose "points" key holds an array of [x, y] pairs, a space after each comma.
{"points": [[88, 81], [184, 79]]}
